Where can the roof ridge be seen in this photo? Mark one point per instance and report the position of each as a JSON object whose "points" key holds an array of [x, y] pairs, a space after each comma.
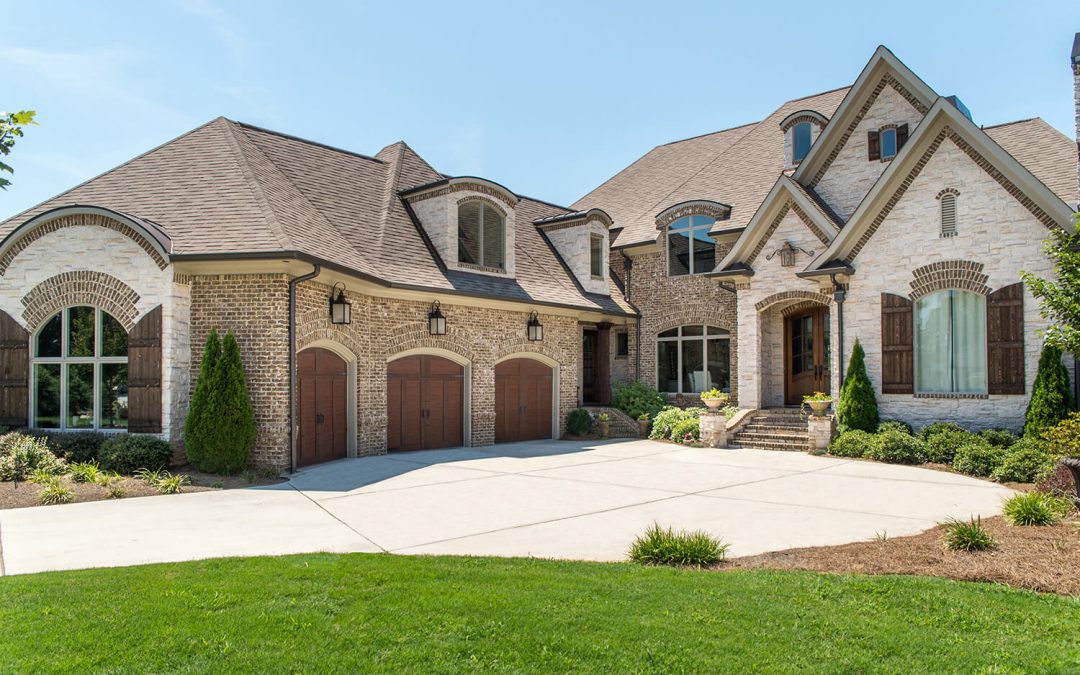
{"points": [[307, 141], [710, 133], [255, 185], [820, 93], [1005, 124]]}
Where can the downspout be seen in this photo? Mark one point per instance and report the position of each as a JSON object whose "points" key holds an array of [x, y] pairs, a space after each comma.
{"points": [[628, 265], [839, 294], [292, 360]]}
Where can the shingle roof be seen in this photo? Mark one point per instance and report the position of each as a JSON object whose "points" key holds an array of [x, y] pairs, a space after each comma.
{"points": [[229, 188], [1044, 151]]}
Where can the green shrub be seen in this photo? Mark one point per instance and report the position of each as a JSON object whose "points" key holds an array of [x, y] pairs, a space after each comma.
{"points": [[896, 425], [1036, 508], [223, 429], [664, 421], [22, 455], [1002, 438], [897, 447], [127, 453], [85, 472], [76, 446], [1064, 437], [941, 447], [967, 536], [1051, 396], [935, 428], [115, 492], [978, 458], [200, 422], [55, 492], [857, 407], [853, 443], [689, 426], [637, 398], [664, 546], [578, 421], [1026, 461], [171, 484]]}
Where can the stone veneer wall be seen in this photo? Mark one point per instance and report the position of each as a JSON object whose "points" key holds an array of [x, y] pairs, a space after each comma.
{"points": [[573, 244]]}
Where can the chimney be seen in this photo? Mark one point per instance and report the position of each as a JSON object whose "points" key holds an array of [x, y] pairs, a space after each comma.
{"points": [[1076, 95]]}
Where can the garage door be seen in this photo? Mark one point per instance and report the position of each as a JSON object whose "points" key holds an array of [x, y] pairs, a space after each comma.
{"points": [[523, 410], [425, 398], [322, 378]]}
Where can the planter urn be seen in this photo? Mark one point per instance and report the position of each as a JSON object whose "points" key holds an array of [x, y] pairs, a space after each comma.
{"points": [[604, 429], [1073, 465], [818, 408], [713, 403], [643, 428]]}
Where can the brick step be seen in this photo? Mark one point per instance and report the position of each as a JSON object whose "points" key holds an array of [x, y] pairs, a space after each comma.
{"points": [[775, 422], [778, 431], [782, 419], [768, 436], [783, 447]]}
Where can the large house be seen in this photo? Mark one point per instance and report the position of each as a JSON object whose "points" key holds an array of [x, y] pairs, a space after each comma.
{"points": [[382, 305]]}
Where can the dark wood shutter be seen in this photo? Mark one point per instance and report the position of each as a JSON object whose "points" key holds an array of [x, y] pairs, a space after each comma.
{"points": [[144, 375], [897, 345], [901, 136], [873, 144], [1005, 340], [14, 373]]}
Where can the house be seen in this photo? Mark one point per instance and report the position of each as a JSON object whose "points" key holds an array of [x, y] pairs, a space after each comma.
{"points": [[381, 305]]}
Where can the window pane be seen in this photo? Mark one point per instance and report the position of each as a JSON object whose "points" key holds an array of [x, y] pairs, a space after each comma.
{"points": [[713, 330], [494, 250], [888, 143], [469, 233], [113, 337], [704, 251], [969, 342], [667, 367], [47, 396], [678, 253], [622, 344], [81, 331], [596, 257], [693, 330], [114, 396], [48, 340], [800, 139], [694, 376], [674, 332], [932, 354], [80, 395], [680, 224], [719, 365]]}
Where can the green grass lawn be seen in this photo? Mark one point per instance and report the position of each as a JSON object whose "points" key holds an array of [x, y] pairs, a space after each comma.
{"points": [[325, 612]]}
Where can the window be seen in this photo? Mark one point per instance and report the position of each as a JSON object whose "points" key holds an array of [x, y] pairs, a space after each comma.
{"points": [[888, 143], [690, 248], [79, 374], [950, 343], [800, 141], [481, 235], [693, 359], [596, 257], [622, 344], [884, 143], [948, 215]]}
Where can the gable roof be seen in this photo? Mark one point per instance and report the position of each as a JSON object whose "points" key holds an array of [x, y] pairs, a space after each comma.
{"points": [[1044, 151], [231, 190]]}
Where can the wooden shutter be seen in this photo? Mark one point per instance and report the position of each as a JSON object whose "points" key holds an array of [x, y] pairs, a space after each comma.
{"points": [[144, 375], [901, 136], [873, 144], [897, 351], [1005, 340], [14, 373]]}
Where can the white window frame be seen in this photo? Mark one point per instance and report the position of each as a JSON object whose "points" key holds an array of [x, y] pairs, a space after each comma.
{"points": [[480, 235], [680, 338], [690, 230], [64, 361]]}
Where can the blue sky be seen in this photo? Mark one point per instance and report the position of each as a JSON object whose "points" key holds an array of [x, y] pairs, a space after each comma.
{"points": [[549, 98]]}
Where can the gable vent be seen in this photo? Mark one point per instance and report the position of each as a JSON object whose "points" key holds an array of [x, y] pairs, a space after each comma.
{"points": [[948, 215]]}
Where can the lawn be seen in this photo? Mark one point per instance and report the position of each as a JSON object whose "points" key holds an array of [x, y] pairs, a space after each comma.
{"points": [[377, 612]]}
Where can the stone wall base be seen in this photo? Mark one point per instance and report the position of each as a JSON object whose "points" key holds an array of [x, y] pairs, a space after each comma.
{"points": [[820, 432], [713, 430]]}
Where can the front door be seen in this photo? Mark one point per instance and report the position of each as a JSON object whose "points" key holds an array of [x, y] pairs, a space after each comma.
{"points": [[322, 379], [806, 354], [588, 366]]}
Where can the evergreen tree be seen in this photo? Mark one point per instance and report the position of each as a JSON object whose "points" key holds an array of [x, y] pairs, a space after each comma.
{"points": [[857, 407], [1051, 396], [199, 422], [234, 417]]}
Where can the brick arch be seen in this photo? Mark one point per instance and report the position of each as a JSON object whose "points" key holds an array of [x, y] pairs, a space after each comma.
{"points": [[422, 339], [816, 298], [83, 287], [520, 345], [313, 326], [964, 275], [484, 200], [688, 317]]}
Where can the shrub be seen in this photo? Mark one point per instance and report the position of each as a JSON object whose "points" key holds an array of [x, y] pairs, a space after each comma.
{"points": [[1036, 508], [637, 398], [127, 453], [115, 492], [76, 446], [857, 407], [664, 421], [198, 427], [935, 428], [664, 546], [1002, 438], [1064, 437], [171, 484], [578, 421], [227, 429], [1026, 461], [1059, 482], [969, 536], [897, 447], [853, 443], [689, 426], [896, 425], [55, 492], [22, 455], [978, 458], [1051, 397], [85, 472], [941, 447]]}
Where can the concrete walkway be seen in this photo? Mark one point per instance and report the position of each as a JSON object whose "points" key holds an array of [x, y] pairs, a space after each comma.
{"points": [[546, 499]]}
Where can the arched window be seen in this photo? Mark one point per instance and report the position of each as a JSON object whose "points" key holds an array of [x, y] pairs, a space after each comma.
{"points": [[692, 359], [800, 141], [79, 374], [481, 235], [690, 248], [950, 343], [948, 215]]}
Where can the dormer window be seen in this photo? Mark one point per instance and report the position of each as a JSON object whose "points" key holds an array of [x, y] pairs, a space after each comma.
{"points": [[596, 257], [884, 143], [800, 129], [690, 248], [800, 141], [481, 235]]}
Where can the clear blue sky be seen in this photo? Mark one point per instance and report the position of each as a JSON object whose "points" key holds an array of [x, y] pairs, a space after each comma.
{"points": [[548, 98]]}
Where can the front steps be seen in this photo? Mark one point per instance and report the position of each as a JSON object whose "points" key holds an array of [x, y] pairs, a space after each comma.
{"points": [[773, 429]]}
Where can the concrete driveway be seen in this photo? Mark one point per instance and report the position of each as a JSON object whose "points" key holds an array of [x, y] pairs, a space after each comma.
{"points": [[546, 499]]}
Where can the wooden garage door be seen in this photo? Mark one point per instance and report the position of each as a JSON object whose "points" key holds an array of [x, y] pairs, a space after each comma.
{"points": [[323, 379], [425, 399], [522, 400]]}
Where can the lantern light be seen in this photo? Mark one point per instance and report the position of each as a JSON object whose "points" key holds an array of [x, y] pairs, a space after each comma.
{"points": [[787, 254], [340, 308], [436, 320], [534, 329]]}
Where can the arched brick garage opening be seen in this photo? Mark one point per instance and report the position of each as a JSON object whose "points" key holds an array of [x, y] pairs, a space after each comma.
{"points": [[324, 413], [425, 403], [525, 399]]}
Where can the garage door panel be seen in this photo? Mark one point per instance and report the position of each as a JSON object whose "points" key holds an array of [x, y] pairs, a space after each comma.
{"points": [[523, 409], [322, 393], [425, 403]]}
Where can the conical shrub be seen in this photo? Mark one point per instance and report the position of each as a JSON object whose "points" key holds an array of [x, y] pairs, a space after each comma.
{"points": [[857, 407], [1051, 396], [221, 420], [199, 423]]}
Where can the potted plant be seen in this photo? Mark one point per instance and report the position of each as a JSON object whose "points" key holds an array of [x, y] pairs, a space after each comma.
{"points": [[714, 399], [643, 425], [604, 419], [819, 402]]}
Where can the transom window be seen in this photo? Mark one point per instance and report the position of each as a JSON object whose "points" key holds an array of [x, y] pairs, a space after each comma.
{"points": [[800, 141], [690, 248], [693, 359], [481, 235], [80, 372], [950, 343]]}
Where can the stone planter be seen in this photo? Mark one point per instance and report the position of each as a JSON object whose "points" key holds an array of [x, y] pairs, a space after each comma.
{"points": [[818, 408], [819, 433], [713, 430], [1073, 465], [604, 427], [713, 403], [643, 428]]}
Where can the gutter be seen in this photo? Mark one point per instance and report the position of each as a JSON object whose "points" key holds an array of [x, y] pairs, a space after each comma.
{"points": [[293, 283], [628, 265]]}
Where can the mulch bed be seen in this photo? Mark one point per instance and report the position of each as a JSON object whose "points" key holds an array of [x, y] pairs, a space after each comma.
{"points": [[1044, 559]]}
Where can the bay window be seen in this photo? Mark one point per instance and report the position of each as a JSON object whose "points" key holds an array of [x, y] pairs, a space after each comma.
{"points": [[693, 359], [950, 343]]}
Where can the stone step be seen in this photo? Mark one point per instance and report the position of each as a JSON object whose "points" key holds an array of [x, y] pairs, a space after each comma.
{"points": [[783, 447], [771, 435], [767, 429]]}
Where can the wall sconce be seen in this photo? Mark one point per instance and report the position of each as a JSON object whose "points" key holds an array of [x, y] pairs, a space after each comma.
{"points": [[340, 308], [787, 254], [534, 329], [436, 320]]}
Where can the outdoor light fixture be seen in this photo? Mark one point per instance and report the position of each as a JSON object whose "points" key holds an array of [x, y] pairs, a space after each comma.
{"points": [[436, 320], [340, 308], [534, 329], [787, 254]]}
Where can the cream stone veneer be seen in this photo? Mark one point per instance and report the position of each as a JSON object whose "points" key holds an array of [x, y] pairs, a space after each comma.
{"points": [[439, 217], [573, 244], [98, 249]]}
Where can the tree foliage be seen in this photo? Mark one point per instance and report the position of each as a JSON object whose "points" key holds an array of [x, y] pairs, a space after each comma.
{"points": [[1051, 396], [857, 407], [1060, 296], [220, 428], [11, 127]]}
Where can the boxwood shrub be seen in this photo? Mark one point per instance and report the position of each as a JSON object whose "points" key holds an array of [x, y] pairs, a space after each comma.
{"points": [[978, 458], [127, 453], [1002, 438], [578, 421], [935, 428], [941, 447], [897, 447], [896, 425], [1026, 461], [637, 398], [687, 426], [76, 446], [853, 443]]}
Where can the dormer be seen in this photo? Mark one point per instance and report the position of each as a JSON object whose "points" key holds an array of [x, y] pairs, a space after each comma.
{"points": [[688, 228], [800, 129], [581, 239], [470, 221]]}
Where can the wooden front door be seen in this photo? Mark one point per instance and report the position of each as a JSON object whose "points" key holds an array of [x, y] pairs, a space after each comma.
{"points": [[323, 379], [425, 399], [806, 354], [595, 384], [522, 400]]}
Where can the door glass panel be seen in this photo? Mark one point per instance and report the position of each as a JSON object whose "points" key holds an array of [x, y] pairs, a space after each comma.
{"points": [[113, 337], [114, 396], [47, 396], [81, 331], [796, 347], [667, 367], [694, 376], [719, 366], [48, 340], [80, 395], [808, 343]]}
